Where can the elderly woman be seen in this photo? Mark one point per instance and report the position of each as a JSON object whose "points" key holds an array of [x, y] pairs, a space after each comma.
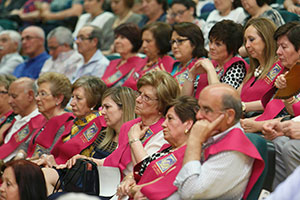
{"points": [[180, 118], [127, 43], [87, 92], [187, 46], [22, 180], [225, 38], [54, 93], [156, 45], [6, 113]]}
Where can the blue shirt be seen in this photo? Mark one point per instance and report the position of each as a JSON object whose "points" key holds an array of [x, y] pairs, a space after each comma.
{"points": [[32, 67], [145, 19]]}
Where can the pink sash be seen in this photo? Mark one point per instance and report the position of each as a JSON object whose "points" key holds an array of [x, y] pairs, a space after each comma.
{"points": [[45, 139], [236, 140], [166, 167], [62, 151], [166, 61], [21, 135], [122, 155], [4, 117], [296, 108], [112, 75], [272, 109]]}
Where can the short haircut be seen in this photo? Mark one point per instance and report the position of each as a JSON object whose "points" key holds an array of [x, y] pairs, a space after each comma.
{"points": [[162, 33], [60, 85], [63, 35], [260, 3], [6, 80], [96, 33], [30, 179], [166, 87], [164, 4], [230, 102], [128, 3], [292, 31], [230, 33], [14, 36], [186, 3], [94, 88], [195, 36], [132, 32]]}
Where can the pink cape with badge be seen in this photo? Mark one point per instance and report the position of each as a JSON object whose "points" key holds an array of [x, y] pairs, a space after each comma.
{"points": [[45, 139], [121, 157], [236, 140], [21, 135], [166, 61], [62, 151], [5, 116], [182, 74]]}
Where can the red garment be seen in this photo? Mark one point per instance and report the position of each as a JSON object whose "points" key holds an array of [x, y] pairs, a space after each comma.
{"points": [[296, 108], [4, 117]]}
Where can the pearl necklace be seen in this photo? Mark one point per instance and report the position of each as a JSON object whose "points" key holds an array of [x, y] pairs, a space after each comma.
{"points": [[257, 72]]}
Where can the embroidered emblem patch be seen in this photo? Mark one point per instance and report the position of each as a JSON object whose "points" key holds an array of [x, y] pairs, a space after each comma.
{"points": [[2, 119], [114, 77], [272, 74], [22, 134], [148, 133], [90, 132], [182, 77], [39, 150], [166, 163]]}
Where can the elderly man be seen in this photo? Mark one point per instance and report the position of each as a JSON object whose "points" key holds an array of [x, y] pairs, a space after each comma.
{"points": [[22, 100], [33, 39], [10, 44], [64, 59], [88, 43], [219, 157]]}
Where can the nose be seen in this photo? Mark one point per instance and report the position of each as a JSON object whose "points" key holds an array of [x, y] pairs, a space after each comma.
{"points": [[199, 115], [247, 44], [37, 98], [164, 124], [278, 52], [103, 111], [73, 102], [10, 100], [139, 99]]}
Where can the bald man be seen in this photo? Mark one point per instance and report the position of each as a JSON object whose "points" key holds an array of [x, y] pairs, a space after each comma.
{"points": [[33, 39], [22, 100], [215, 163]]}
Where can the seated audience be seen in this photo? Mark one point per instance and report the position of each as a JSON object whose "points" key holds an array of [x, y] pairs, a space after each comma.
{"points": [[94, 15], [146, 182], [10, 45], [7, 20], [6, 113], [54, 93], [22, 180], [292, 6], [63, 59], [264, 64], [156, 45], [123, 14], [187, 44], [153, 10], [127, 43], [225, 38], [88, 41], [22, 100], [33, 39], [219, 161]]}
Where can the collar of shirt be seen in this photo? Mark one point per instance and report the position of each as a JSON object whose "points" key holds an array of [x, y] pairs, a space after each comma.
{"points": [[7, 56]]}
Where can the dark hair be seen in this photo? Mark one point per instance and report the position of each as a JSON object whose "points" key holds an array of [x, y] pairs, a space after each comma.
{"points": [[128, 3], [260, 3], [132, 32], [185, 107], [164, 4], [97, 33], [230, 101], [161, 32], [195, 36], [292, 32], [230, 33], [186, 3], [30, 179], [94, 88]]}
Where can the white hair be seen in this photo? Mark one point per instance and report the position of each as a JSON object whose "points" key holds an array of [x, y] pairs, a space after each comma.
{"points": [[14, 36]]}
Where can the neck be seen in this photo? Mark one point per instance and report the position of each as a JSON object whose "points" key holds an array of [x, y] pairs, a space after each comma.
{"points": [[155, 16], [124, 14], [223, 62], [261, 10], [88, 55], [185, 62], [28, 110], [177, 146], [225, 12], [126, 56], [54, 112], [98, 12], [150, 120], [35, 54]]}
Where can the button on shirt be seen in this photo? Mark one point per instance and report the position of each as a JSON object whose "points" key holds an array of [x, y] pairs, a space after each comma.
{"points": [[96, 66], [32, 67]]}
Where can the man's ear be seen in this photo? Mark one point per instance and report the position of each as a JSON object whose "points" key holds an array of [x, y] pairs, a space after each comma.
{"points": [[31, 95], [230, 116]]}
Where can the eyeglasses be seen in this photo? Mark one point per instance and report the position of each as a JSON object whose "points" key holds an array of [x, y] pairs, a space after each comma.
{"points": [[42, 94], [145, 97], [81, 38], [177, 41], [53, 48], [29, 38], [207, 110], [4, 40], [3, 92], [178, 13]]}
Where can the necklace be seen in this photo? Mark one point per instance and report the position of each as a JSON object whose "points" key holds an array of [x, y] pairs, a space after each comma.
{"points": [[257, 71]]}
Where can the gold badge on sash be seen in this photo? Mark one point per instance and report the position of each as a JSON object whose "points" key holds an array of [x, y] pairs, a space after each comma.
{"points": [[90, 133], [166, 163], [22, 134], [272, 74], [148, 133], [39, 150], [114, 77], [182, 77]]}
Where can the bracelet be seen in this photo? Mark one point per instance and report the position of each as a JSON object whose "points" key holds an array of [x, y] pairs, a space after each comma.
{"points": [[290, 101], [133, 141], [189, 79]]}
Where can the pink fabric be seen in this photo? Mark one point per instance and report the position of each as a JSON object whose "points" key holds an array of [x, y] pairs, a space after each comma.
{"points": [[21, 135], [180, 77], [46, 137], [121, 157], [236, 140], [296, 108], [261, 86], [166, 61], [62, 151], [4, 117], [272, 109]]}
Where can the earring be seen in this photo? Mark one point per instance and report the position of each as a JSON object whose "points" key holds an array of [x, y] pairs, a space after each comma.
{"points": [[56, 104], [186, 131]]}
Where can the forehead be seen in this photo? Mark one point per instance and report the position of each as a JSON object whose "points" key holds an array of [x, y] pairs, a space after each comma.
{"points": [[148, 89], [251, 31], [16, 87], [85, 31], [52, 40], [147, 34], [29, 32], [178, 6], [44, 86], [284, 40], [79, 91], [210, 98], [6, 35]]}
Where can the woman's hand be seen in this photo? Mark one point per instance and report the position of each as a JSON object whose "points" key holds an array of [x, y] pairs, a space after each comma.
{"points": [[46, 161], [136, 192], [71, 162], [280, 82], [125, 185], [137, 131], [200, 67]]}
